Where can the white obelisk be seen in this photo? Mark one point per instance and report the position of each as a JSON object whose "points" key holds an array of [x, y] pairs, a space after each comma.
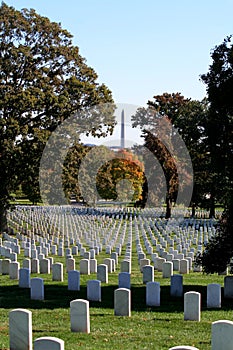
{"points": [[122, 129]]}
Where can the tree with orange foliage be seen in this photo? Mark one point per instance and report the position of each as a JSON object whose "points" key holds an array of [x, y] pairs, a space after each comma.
{"points": [[164, 143], [121, 178]]}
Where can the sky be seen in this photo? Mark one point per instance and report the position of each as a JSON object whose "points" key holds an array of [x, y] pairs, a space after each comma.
{"points": [[143, 48]]}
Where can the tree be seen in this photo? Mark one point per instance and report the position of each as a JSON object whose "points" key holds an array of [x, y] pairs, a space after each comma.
{"points": [[219, 250], [191, 125], [71, 169], [219, 124], [158, 148], [121, 178], [219, 81], [43, 81], [31, 190], [92, 173], [163, 140]]}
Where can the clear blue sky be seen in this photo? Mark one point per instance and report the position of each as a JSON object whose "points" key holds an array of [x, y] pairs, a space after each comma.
{"points": [[141, 48]]}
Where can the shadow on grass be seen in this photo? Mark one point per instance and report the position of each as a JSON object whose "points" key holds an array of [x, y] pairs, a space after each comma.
{"points": [[58, 296]]}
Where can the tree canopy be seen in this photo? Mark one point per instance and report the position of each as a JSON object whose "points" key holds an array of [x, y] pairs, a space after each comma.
{"points": [[219, 125], [174, 133], [121, 178], [43, 81]]}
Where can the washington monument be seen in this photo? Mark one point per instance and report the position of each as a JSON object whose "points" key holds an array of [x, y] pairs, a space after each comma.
{"points": [[122, 129]]}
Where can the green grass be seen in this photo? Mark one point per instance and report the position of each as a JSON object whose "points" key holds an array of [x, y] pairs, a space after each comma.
{"points": [[148, 327]]}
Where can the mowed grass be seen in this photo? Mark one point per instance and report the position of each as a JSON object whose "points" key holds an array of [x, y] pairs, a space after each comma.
{"points": [[148, 327]]}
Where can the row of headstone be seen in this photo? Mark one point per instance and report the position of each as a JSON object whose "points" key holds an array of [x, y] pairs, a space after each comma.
{"points": [[20, 325], [191, 299], [36, 286], [44, 266], [23, 274]]}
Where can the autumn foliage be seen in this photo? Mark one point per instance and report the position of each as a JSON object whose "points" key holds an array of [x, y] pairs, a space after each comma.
{"points": [[121, 178]]}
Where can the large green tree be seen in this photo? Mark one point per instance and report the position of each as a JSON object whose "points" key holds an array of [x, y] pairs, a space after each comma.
{"points": [[219, 124], [219, 81], [43, 81], [71, 169]]}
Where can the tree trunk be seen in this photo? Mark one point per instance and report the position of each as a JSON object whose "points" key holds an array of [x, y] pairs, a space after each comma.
{"points": [[3, 219], [212, 207], [168, 208], [193, 210]]}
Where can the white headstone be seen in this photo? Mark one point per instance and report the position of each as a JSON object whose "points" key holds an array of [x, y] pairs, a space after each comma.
{"points": [[159, 263], [27, 252], [126, 266], [14, 270], [35, 266], [24, 278], [84, 267], [176, 289], [79, 316], [102, 273], [176, 264], [27, 264], [54, 249], [108, 262], [74, 250], [34, 254], [5, 266], [228, 287], [60, 251], [114, 256], [41, 256], [92, 253], [73, 280], [49, 343], [13, 257], [94, 290], [20, 329], [192, 306], [87, 255], [143, 262], [37, 288], [222, 335], [153, 294], [45, 266], [183, 347], [184, 266], [93, 266], [70, 264], [167, 269], [213, 295], [57, 272], [124, 280], [148, 273], [67, 251], [122, 302]]}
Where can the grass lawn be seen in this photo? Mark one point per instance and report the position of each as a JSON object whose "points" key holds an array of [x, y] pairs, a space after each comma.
{"points": [[148, 327]]}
